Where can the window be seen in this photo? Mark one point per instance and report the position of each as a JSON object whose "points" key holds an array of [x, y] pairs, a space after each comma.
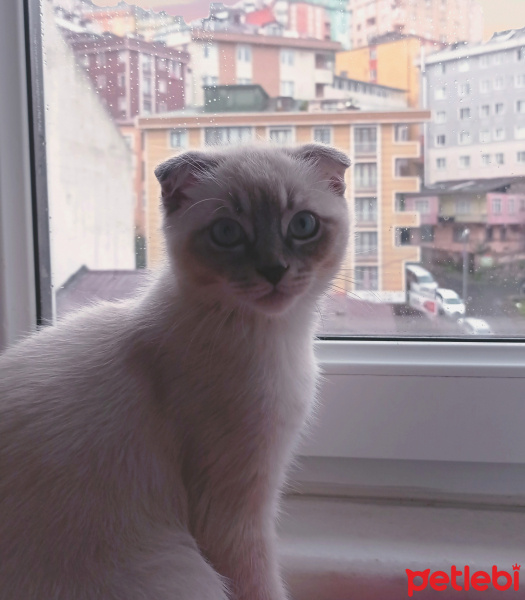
{"points": [[402, 133], [500, 158], [366, 278], [244, 53], [122, 80], [484, 61], [426, 233], [463, 66], [441, 163], [484, 136], [521, 53], [244, 81], [485, 160], [499, 83], [519, 132], [365, 140], [499, 134], [520, 107], [440, 140], [422, 206], [163, 86], [178, 138], [122, 104], [484, 110], [464, 162], [464, 89], [365, 245], [281, 135], [484, 86], [323, 135], [463, 206], [101, 81], [464, 137], [365, 175], [464, 113], [440, 93], [496, 206], [511, 206], [287, 57], [400, 202], [499, 108], [122, 56], [365, 210], [521, 156], [441, 116], [404, 236], [287, 88], [227, 135], [520, 80]]}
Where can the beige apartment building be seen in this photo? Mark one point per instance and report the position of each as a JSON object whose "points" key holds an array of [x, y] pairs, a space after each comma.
{"points": [[445, 21], [383, 163], [284, 66]]}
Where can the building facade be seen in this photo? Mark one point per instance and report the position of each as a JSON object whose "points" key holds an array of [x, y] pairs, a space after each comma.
{"points": [[477, 97], [445, 21], [133, 77], [377, 145], [283, 66]]}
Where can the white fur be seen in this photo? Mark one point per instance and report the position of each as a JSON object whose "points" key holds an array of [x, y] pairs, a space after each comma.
{"points": [[143, 445]]}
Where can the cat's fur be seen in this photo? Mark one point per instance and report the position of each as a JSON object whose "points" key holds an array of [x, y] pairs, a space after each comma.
{"points": [[143, 443]]}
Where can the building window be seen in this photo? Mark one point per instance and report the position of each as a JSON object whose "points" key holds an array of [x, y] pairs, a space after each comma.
{"points": [[499, 134], [122, 56], [122, 80], [464, 89], [499, 108], [244, 53], [500, 158], [440, 93], [217, 136], [499, 83], [403, 236], [519, 132], [281, 135], [287, 88], [401, 133], [521, 156], [497, 59], [365, 244], [484, 61], [441, 163], [323, 135], [485, 160], [441, 116], [462, 206], [422, 206], [287, 57], [484, 86], [178, 138], [175, 69], [365, 175], [464, 162], [101, 81], [521, 53], [503, 233], [458, 233], [484, 136], [484, 110], [489, 233], [365, 210], [520, 107], [244, 81], [146, 106], [163, 87], [496, 206], [100, 59], [209, 80], [365, 140], [464, 113], [145, 62], [163, 107], [511, 206], [520, 80], [122, 104], [463, 66], [440, 140], [366, 279], [427, 233], [404, 167], [464, 137], [400, 202]]}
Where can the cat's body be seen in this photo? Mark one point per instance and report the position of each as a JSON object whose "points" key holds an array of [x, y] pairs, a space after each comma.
{"points": [[143, 444]]}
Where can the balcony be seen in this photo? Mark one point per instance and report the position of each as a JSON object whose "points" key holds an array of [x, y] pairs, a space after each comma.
{"points": [[365, 148]]}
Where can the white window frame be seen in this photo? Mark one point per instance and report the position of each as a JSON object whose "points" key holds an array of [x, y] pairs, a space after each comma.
{"points": [[450, 410]]}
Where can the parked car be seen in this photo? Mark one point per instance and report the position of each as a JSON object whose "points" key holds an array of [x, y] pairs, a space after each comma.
{"points": [[449, 303], [472, 326], [420, 280]]}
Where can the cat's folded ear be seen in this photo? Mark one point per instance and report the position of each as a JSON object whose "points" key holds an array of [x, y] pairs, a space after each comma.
{"points": [[329, 162], [178, 174]]}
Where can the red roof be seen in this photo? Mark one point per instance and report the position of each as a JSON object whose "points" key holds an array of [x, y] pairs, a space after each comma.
{"points": [[260, 17]]}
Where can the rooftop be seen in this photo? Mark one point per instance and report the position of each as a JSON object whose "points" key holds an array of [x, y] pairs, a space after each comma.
{"points": [[470, 186]]}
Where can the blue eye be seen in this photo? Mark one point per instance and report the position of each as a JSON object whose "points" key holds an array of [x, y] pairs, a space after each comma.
{"points": [[227, 233], [303, 225]]}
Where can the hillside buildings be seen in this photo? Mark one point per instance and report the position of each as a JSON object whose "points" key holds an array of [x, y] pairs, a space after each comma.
{"points": [[445, 21], [477, 97], [381, 154]]}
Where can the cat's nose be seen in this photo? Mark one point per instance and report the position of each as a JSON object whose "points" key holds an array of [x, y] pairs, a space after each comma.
{"points": [[273, 273]]}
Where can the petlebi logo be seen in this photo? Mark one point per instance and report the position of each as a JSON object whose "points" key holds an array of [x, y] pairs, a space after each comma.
{"points": [[463, 580]]}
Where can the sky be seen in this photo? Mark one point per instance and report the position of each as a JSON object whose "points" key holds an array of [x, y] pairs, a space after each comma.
{"points": [[499, 14]]}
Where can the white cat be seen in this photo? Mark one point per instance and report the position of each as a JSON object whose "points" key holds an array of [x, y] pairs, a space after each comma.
{"points": [[143, 443]]}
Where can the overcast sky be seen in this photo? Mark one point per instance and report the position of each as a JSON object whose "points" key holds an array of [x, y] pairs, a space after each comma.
{"points": [[499, 14]]}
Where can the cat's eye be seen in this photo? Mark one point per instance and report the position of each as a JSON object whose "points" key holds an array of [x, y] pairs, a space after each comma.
{"points": [[303, 225], [227, 233]]}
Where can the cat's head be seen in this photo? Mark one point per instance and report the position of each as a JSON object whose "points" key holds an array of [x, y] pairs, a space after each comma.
{"points": [[256, 226]]}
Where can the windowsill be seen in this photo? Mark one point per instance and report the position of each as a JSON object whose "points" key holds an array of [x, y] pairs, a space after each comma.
{"points": [[335, 549]]}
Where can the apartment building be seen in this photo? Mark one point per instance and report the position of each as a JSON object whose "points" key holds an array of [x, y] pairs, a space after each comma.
{"points": [[445, 21], [320, 19], [133, 77], [491, 210], [283, 66], [477, 97], [381, 154], [390, 60]]}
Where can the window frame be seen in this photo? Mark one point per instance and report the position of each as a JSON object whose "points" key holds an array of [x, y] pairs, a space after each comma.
{"points": [[382, 367]]}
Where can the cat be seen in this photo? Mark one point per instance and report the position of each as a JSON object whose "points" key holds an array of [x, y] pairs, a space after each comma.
{"points": [[143, 443]]}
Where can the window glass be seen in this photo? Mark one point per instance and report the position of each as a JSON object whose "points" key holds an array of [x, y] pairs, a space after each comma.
{"points": [[437, 149]]}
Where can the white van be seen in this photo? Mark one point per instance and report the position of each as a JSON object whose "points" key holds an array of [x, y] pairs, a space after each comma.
{"points": [[420, 281]]}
